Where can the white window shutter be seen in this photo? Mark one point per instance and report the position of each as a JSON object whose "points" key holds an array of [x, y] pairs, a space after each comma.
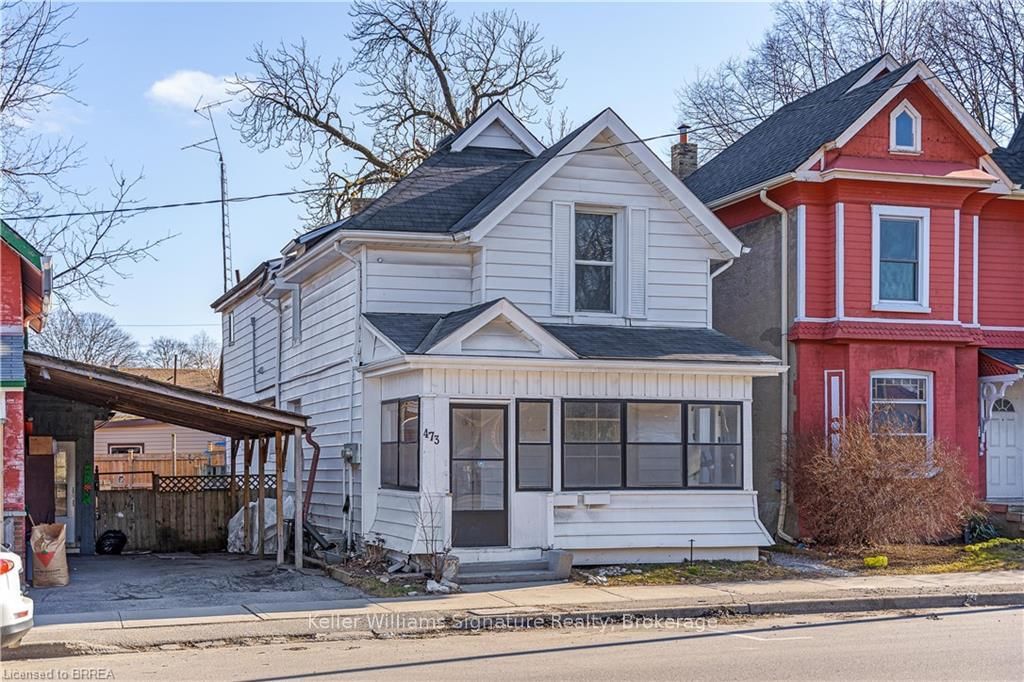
{"points": [[637, 296], [561, 258]]}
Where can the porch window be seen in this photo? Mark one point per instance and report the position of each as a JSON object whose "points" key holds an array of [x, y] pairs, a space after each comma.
{"points": [[714, 451], [533, 445], [592, 445], [595, 262], [900, 259], [126, 448], [400, 444], [654, 445], [612, 444], [901, 404]]}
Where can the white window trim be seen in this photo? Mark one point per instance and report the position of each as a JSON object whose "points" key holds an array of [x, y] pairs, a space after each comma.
{"points": [[923, 215], [929, 394], [231, 328], [296, 310], [905, 106], [617, 266]]}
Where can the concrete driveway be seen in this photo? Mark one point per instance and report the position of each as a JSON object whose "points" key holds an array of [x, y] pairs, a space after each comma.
{"points": [[146, 582]]}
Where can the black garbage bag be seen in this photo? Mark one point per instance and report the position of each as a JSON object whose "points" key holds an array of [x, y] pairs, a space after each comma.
{"points": [[111, 542]]}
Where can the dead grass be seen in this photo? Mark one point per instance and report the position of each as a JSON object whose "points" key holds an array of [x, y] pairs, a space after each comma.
{"points": [[994, 555], [689, 573]]}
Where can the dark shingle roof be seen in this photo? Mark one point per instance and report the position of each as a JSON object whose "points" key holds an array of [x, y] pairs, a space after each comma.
{"points": [[1011, 158], [654, 343], [787, 138], [1009, 356], [440, 191], [415, 333]]}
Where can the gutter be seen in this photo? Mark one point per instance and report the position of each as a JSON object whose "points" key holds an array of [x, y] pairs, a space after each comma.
{"points": [[780, 526]]}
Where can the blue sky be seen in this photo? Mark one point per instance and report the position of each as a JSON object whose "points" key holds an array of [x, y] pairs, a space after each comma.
{"points": [[138, 116]]}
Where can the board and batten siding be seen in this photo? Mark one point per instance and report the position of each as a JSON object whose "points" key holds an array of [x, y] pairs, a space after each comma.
{"points": [[723, 523], [518, 250]]}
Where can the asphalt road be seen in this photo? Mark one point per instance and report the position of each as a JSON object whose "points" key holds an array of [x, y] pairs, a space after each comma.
{"points": [[964, 644]]}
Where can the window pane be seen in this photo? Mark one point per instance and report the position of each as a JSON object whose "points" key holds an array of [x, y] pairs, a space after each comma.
{"points": [[478, 485], [654, 423], [714, 465], [897, 281], [534, 422], [595, 237], [899, 417], [535, 466], [389, 422], [654, 466], [591, 422], [597, 466], [478, 433], [389, 464], [409, 411], [594, 288], [897, 239], [408, 466], [904, 130], [899, 388], [714, 424]]}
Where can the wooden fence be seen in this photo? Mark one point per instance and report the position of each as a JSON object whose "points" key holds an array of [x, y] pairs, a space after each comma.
{"points": [[176, 513]]}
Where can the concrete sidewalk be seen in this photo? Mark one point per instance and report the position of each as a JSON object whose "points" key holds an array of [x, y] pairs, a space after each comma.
{"points": [[504, 606]]}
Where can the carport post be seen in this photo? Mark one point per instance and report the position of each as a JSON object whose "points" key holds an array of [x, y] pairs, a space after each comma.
{"points": [[298, 464], [281, 450], [261, 525], [233, 482], [247, 463]]}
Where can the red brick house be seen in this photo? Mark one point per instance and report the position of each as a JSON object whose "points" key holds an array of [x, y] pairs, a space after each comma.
{"points": [[903, 226], [24, 298]]}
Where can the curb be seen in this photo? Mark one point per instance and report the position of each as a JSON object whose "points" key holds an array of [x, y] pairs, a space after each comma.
{"points": [[467, 621]]}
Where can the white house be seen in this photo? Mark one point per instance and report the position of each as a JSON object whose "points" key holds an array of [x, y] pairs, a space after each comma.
{"points": [[516, 342]]}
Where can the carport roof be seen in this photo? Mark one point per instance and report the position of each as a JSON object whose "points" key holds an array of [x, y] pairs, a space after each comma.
{"points": [[123, 392]]}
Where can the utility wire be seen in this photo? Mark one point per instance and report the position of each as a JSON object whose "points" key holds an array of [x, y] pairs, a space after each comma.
{"points": [[423, 175]]}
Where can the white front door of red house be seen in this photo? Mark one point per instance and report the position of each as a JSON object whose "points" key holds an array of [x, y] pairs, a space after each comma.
{"points": [[1004, 453]]}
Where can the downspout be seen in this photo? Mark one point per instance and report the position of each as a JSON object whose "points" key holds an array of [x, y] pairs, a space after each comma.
{"points": [[353, 362], [780, 528]]}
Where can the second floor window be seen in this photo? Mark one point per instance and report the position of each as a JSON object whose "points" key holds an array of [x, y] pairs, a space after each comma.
{"points": [[900, 246], [595, 262]]}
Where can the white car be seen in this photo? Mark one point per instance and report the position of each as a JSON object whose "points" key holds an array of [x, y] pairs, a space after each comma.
{"points": [[15, 608]]}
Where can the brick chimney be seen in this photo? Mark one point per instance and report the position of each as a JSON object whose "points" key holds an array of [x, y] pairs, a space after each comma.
{"points": [[357, 204], [684, 154]]}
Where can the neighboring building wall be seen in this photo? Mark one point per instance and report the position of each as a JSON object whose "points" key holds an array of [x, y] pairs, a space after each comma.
{"points": [[1000, 254], [12, 382]]}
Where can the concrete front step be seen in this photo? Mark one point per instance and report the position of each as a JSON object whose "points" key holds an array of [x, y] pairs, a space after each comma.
{"points": [[555, 565]]}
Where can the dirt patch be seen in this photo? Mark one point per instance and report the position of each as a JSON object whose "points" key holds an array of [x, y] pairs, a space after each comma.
{"points": [[993, 555], [373, 578], [693, 573]]}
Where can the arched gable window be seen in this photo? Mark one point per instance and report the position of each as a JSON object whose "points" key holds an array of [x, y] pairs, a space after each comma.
{"points": [[905, 129]]}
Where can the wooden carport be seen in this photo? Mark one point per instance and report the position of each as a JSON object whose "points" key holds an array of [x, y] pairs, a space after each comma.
{"points": [[245, 423]]}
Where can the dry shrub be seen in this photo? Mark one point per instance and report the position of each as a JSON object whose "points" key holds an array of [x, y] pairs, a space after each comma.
{"points": [[878, 488]]}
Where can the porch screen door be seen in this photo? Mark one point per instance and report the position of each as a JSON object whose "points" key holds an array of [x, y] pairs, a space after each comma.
{"points": [[479, 466]]}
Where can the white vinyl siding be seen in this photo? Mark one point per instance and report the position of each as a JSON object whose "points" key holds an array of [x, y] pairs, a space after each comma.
{"points": [[519, 249], [419, 280]]}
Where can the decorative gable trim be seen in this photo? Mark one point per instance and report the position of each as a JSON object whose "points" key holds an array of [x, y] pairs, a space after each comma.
{"points": [[708, 225], [546, 343], [905, 107], [883, 66], [922, 72], [497, 113]]}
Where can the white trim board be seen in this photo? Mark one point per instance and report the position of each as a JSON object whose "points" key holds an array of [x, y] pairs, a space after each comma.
{"points": [[923, 216], [497, 112]]}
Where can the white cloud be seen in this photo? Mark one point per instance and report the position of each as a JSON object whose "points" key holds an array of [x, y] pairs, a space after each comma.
{"points": [[184, 88]]}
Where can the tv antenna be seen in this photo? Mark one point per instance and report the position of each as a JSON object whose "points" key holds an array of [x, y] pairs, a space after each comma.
{"points": [[205, 111]]}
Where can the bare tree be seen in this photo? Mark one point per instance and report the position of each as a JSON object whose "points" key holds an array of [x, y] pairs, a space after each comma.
{"points": [[425, 73], [164, 350], [35, 166], [202, 352], [975, 46], [87, 337]]}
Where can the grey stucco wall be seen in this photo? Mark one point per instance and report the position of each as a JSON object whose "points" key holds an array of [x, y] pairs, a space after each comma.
{"points": [[747, 298], [69, 420]]}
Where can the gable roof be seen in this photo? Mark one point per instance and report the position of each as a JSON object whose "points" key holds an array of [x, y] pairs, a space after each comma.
{"points": [[787, 138], [497, 113], [416, 333]]}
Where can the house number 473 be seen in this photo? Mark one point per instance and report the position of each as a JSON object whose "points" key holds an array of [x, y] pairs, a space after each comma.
{"points": [[431, 436]]}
